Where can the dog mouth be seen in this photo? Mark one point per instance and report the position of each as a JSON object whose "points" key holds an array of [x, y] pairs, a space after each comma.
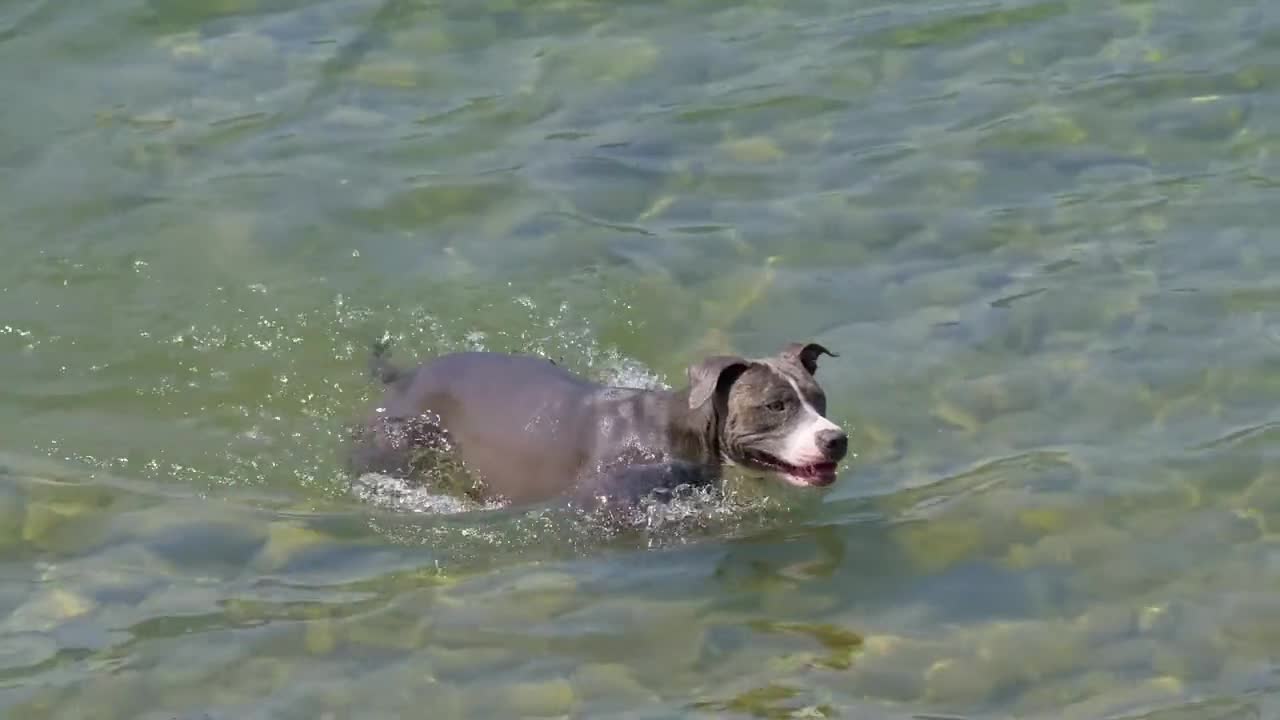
{"points": [[820, 474]]}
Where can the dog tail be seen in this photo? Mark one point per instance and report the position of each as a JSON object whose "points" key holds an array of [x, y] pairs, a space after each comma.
{"points": [[380, 367]]}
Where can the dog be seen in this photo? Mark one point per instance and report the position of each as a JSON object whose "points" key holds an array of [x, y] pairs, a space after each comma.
{"points": [[520, 429]]}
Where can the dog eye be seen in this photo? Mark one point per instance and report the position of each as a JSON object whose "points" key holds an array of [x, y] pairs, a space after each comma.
{"points": [[776, 406]]}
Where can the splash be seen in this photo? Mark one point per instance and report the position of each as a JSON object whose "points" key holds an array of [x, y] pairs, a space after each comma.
{"points": [[625, 372], [394, 493], [461, 534], [276, 391], [688, 514], [685, 515]]}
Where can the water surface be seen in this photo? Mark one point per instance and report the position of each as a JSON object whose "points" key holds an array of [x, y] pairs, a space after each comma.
{"points": [[1038, 232]]}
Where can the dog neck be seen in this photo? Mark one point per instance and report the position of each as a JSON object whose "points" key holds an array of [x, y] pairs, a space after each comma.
{"points": [[693, 433], [678, 433]]}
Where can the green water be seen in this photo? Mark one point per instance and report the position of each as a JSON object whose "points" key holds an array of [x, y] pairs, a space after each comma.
{"points": [[1039, 233]]}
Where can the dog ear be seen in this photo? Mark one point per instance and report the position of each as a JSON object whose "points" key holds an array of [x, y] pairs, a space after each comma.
{"points": [[806, 354], [705, 377]]}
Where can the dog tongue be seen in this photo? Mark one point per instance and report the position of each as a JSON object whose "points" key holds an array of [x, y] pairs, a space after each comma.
{"points": [[813, 472]]}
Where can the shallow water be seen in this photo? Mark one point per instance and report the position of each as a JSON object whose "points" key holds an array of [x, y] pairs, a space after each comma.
{"points": [[1036, 231]]}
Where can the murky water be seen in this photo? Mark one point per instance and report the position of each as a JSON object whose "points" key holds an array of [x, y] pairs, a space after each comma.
{"points": [[1038, 232]]}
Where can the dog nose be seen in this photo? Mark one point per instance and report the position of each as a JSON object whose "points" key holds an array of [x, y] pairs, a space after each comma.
{"points": [[834, 443]]}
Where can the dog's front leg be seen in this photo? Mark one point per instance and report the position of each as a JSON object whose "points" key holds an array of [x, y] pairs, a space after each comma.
{"points": [[625, 487], [400, 446]]}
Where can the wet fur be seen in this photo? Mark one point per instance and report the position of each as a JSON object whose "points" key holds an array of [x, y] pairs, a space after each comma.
{"points": [[590, 443]]}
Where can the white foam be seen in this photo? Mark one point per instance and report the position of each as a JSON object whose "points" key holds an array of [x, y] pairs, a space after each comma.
{"points": [[398, 494], [625, 372]]}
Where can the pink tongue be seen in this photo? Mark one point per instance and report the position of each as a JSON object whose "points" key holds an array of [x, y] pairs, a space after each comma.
{"points": [[819, 469]]}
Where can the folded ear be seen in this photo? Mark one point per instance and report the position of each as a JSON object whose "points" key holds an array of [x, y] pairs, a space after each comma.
{"points": [[806, 354], [705, 377]]}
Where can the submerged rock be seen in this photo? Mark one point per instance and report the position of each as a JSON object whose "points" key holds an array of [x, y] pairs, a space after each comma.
{"points": [[758, 149], [1205, 118], [550, 698], [470, 662], [25, 650], [65, 526], [960, 682], [320, 637], [611, 683], [496, 608], [935, 545], [13, 512], [1030, 652], [656, 638], [892, 667], [1106, 623], [285, 541], [48, 610], [389, 630], [1124, 699], [1253, 625], [206, 546]]}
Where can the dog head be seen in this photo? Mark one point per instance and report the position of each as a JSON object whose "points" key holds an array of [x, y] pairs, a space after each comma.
{"points": [[771, 414]]}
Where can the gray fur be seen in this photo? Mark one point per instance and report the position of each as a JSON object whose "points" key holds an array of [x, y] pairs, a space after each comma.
{"points": [[526, 430]]}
